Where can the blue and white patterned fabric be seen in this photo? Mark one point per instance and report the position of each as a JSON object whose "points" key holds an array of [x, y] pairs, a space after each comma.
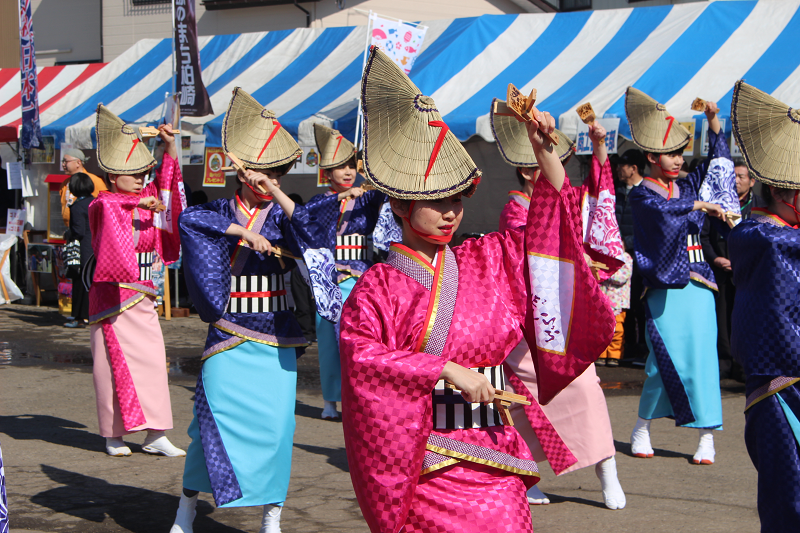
{"points": [[3, 498], [719, 187], [319, 272], [386, 230]]}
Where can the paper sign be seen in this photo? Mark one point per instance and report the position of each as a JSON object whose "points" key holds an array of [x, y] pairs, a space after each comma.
{"points": [[28, 188], [16, 222], [401, 41], [689, 150], [704, 134], [213, 175], [14, 175], [193, 149], [45, 154], [583, 144], [735, 150]]}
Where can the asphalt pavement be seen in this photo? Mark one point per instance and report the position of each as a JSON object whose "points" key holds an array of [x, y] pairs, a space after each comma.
{"points": [[60, 479]]}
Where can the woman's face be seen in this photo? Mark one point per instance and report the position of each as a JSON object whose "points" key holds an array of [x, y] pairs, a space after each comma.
{"points": [[342, 177], [126, 183], [668, 166], [434, 217]]}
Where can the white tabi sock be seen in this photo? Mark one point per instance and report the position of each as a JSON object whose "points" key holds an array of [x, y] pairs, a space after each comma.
{"points": [[606, 471], [537, 497], [329, 412], [187, 510], [640, 439], [115, 447], [705, 448], [157, 443], [271, 521]]}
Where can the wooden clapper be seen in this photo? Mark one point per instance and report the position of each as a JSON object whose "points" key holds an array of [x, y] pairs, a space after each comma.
{"points": [[502, 401], [520, 107]]}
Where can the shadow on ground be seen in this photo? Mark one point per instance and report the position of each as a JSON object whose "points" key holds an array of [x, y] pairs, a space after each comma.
{"points": [[51, 429], [336, 456], [625, 447], [137, 510]]}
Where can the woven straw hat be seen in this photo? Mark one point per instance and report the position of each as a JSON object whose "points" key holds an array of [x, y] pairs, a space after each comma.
{"points": [[119, 146], [254, 134], [768, 133], [653, 128], [514, 145], [334, 149], [405, 138]]}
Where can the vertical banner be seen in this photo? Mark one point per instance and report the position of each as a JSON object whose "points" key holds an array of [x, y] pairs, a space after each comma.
{"points": [[213, 175], [31, 135], [583, 144], [689, 149], [400, 40], [189, 82]]}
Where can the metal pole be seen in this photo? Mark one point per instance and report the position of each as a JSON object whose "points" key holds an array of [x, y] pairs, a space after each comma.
{"points": [[174, 58], [360, 117]]}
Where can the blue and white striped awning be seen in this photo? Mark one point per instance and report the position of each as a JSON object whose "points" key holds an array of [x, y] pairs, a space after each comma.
{"points": [[673, 53]]}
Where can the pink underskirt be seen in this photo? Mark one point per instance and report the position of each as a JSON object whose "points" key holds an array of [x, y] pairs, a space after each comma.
{"points": [[579, 414], [469, 497], [142, 344]]}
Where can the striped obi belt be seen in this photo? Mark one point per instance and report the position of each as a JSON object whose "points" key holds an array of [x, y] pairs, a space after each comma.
{"points": [[257, 294], [145, 262], [694, 248], [352, 247], [451, 411]]}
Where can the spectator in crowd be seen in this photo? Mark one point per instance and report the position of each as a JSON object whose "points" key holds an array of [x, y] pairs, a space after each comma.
{"points": [[6, 196], [80, 187], [72, 161], [631, 171], [715, 249], [618, 290]]}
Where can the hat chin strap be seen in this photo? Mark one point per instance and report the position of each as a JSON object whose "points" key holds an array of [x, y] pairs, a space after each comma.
{"points": [[444, 239], [667, 173], [262, 197], [793, 206]]}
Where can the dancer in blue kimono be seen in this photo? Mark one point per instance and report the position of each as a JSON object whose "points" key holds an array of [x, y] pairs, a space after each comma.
{"points": [[765, 256], [346, 217], [235, 253], [682, 371]]}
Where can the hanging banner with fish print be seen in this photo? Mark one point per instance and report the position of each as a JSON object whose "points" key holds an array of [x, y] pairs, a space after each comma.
{"points": [[400, 40]]}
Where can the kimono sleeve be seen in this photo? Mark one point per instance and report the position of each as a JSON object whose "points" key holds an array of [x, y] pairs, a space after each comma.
{"points": [[386, 401], [660, 237], [322, 212], [207, 258], [717, 148], [568, 321], [600, 229], [111, 223], [172, 194], [299, 232]]}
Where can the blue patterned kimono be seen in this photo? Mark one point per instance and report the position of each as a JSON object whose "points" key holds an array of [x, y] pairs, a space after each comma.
{"points": [[243, 426], [765, 338], [682, 369], [346, 229]]}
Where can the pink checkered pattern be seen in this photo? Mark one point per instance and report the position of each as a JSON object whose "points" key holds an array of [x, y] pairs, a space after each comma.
{"points": [[469, 497], [514, 214], [131, 409]]}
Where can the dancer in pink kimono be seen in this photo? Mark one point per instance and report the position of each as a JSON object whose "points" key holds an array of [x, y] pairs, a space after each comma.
{"points": [[579, 413], [129, 224], [424, 337]]}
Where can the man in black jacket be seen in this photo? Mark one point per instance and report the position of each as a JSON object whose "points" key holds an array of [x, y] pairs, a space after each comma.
{"points": [[630, 173], [715, 250]]}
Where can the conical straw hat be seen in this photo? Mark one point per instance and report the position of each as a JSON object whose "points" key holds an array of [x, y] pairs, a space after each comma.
{"points": [[653, 128], [404, 133], [119, 146], [768, 133], [334, 149], [254, 134], [514, 145]]}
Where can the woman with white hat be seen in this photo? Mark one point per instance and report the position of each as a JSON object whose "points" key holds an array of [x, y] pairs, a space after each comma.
{"points": [[129, 223], [424, 336], [765, 256], [243, 424], [682, 371]]}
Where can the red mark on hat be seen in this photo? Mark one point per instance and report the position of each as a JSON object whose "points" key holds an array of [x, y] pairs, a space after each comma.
{"points": [[438, 145], [135, 142], [340, 137], [669, 127], [271, 135]]}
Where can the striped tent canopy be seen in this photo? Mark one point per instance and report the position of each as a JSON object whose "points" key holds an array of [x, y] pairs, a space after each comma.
{"points": [[674, 53]]}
